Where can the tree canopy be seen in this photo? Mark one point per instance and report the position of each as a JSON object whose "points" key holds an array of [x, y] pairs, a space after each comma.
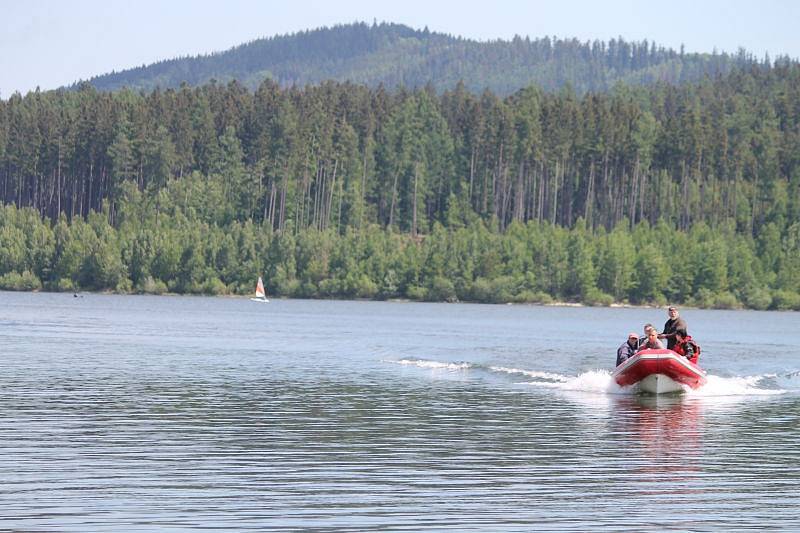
{"points": [[395, 55], [684, 193]]}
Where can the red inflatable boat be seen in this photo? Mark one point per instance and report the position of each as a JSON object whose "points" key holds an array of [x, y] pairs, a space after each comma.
{"points": [[659, 371]]}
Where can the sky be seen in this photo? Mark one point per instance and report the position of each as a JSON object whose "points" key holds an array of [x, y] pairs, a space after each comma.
{"points": [[52, 43]]}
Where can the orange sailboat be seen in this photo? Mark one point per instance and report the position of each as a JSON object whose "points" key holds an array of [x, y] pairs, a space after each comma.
{"points": [[260, 296]]}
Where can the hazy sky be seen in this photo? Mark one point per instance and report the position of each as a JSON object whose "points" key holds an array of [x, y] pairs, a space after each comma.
{"points": [[54, 43]]}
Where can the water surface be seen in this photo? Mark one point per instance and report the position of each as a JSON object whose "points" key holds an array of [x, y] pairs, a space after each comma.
{"points": [[137, 413]]}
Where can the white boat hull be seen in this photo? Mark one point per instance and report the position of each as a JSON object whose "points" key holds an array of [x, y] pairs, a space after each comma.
{"points": [[261, 300], [659, 384]]}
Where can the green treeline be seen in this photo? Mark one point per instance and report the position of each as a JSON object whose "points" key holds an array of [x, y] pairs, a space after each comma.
{"points": [[687, 194], [395, 55], [172, 248]]}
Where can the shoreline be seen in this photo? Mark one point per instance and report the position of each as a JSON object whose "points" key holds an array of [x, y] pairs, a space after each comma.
{"points": [[555, 303]]}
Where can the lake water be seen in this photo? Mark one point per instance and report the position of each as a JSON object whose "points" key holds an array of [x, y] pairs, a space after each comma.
{"points": [[138, 413]]}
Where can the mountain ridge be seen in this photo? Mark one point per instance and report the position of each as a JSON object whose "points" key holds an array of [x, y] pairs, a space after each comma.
{"points": [[396, 55]]}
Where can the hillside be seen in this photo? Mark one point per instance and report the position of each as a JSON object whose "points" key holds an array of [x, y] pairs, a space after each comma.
{"points": [[393, 55]]}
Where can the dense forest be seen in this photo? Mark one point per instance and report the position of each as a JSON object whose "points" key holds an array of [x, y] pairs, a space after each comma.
{"points": [[688, 194], [394, 55]]}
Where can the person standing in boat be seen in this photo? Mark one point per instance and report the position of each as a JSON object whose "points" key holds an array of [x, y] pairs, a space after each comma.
{"points": [[674, 323], [686, 346], [628, 348]]}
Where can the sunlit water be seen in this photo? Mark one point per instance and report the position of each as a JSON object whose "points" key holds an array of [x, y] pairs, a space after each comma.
{"points": [[178, 413]]}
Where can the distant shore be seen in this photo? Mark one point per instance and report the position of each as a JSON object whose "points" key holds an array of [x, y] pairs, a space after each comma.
{"points": [[553, 303]]}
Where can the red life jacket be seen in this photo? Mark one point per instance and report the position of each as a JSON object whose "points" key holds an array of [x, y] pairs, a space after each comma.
{"points": [[680, 348]]}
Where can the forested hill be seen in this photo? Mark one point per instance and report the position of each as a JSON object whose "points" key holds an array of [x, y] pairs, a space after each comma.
{"points": [[394, 55], [683, 193]]}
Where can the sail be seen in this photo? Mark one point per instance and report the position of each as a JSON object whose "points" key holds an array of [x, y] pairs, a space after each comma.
{"points": [[260, 289]]}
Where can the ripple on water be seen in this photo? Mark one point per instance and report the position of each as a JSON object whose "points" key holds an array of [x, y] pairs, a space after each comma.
{"points": [[263, 428]]}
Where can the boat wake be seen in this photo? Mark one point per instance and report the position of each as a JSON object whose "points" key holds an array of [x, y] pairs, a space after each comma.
{"points": [[765, 385], [598, 381], [423, 363], [601, 382]]}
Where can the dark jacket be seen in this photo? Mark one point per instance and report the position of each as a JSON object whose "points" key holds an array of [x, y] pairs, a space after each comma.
{"points": [[626, 351], [669, 330]]}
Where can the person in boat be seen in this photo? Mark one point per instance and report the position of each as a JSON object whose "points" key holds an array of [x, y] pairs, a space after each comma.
{"points": [[628, 348], [686, 346], [643, 339], [652, 342], [674, 323]]}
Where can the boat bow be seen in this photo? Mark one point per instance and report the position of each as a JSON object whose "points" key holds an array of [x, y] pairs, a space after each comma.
{"points": [[659, 371]]}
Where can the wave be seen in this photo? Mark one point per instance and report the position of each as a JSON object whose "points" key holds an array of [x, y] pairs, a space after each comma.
{"points": [[739, 386], [601, 382], [424, 363], [596, 381], [530, 373], [790, 381]]}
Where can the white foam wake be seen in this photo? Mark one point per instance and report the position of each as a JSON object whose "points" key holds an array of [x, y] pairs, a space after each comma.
{"points": [[601, 382], [530, 373], [423, 363], [737, 386], [596, 381]]}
